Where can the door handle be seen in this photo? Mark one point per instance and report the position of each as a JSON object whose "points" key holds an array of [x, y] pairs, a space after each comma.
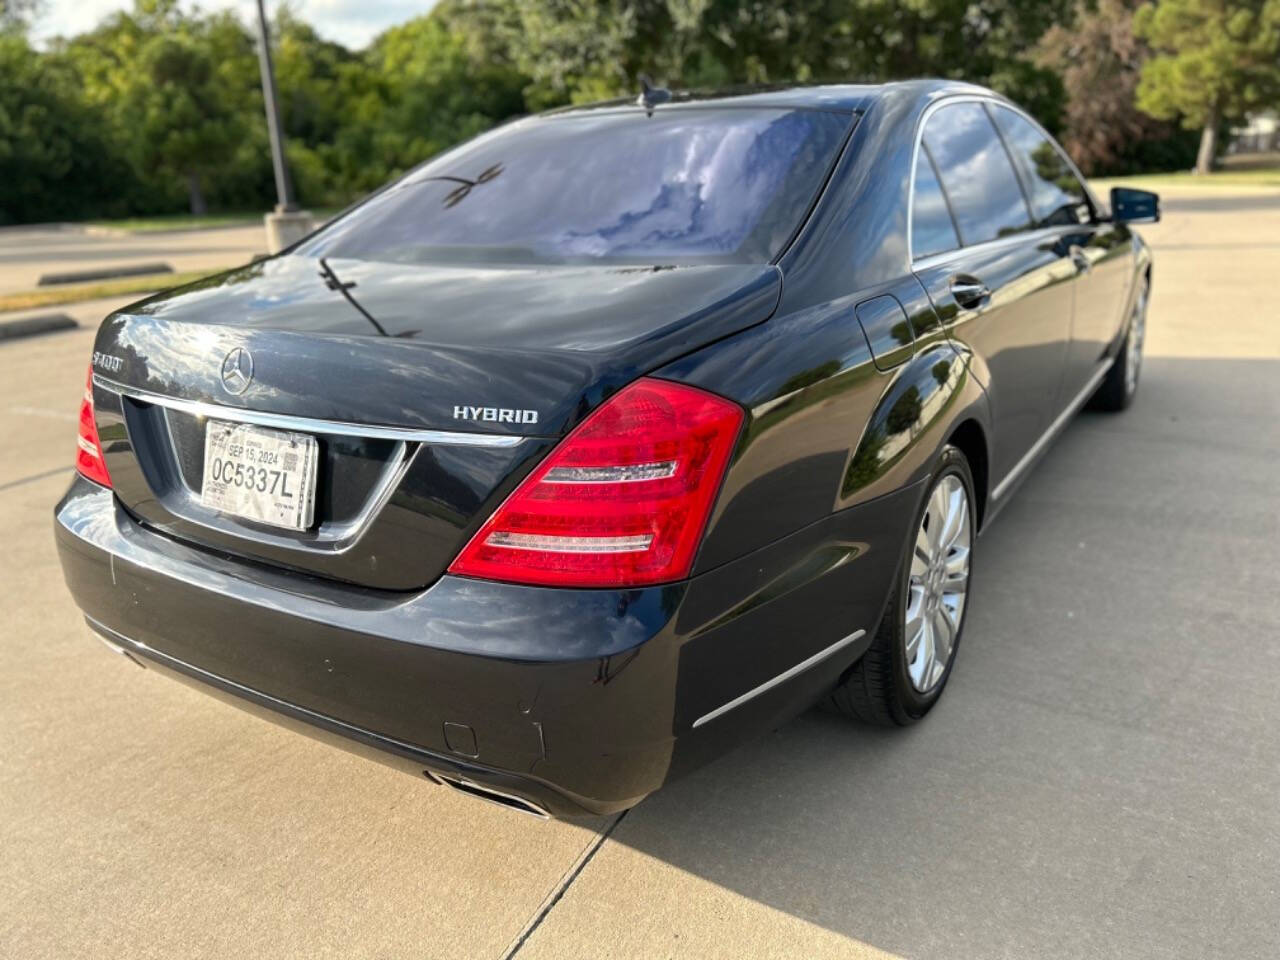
{"points": [[968, 291], [1080, 259]]}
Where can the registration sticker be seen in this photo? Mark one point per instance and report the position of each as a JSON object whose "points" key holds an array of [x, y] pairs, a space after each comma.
{"points": [[259, 474]]}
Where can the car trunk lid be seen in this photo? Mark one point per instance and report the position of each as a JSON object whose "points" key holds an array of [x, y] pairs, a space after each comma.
{"points": [[431, 391]]}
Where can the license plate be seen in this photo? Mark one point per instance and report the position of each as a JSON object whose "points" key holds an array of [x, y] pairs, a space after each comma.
{"points": [[263, 475]]}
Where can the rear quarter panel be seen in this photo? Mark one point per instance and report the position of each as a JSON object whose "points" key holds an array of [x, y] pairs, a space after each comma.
{"points": [[827, 429]]}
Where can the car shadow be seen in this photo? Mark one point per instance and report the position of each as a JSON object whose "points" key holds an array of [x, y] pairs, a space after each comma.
{"points": [[1100, 778]]}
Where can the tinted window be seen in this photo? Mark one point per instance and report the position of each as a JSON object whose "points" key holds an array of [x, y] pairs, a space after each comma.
{"points": [[932, 229], [1057, 197], [684, 185], [976, 173]]}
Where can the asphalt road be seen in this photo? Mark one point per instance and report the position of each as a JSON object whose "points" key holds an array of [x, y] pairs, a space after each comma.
{"points": [[1100, 780], [28, 252]]}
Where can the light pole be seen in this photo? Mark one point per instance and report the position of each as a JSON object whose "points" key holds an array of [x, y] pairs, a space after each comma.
{"points": [[287, 224], [284, 189]]}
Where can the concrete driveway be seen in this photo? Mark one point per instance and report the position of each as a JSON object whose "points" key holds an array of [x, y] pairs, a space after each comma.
{"points": [[1101, 779]]}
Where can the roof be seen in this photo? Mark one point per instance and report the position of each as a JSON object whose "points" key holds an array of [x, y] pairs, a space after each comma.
{"points": [[845, 97]]}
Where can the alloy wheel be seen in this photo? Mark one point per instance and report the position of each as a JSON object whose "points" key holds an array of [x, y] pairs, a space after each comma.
{"points": [[938, 583], [1137, 331]]}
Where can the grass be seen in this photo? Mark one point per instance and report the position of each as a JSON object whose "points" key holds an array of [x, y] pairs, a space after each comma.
{"points": [[1250, 170], [75, 293], [178, 221], [188, 221]]}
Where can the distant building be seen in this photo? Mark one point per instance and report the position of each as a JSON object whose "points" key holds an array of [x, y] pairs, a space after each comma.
{"points": [[1260, 135]]}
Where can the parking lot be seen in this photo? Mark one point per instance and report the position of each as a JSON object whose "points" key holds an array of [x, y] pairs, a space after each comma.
{"points": [[26, 253], [1100, 780]]}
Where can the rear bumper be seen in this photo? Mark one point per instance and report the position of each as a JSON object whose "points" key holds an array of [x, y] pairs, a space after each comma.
{"points": [[579, 701]]}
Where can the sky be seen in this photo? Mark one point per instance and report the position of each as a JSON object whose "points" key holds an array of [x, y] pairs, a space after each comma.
{"points": [[353, 23]]}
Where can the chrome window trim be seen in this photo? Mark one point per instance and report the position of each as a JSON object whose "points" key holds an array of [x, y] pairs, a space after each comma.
{"points": [[281, 421], [992, 246], [998, 242], [1094, 207], [783, 677], [922, 148]]}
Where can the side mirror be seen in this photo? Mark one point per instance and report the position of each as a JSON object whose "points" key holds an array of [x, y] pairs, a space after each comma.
{"points": [[1134, 206]]}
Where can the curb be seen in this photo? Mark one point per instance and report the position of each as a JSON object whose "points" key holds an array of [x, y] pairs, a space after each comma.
{"points": [[55, 227], [94, 230], [35, 326], [109, 273]]}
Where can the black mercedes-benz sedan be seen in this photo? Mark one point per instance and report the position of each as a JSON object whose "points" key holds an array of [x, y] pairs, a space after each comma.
{"points": [[610, 438]]}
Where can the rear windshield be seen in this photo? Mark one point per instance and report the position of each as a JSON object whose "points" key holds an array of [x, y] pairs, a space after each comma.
{"points": [[685, 185]]}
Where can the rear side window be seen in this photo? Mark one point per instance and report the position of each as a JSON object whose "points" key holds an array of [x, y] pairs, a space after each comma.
{"points": [[976, 173], [685, 185], [1057, 196], [932, 229]]}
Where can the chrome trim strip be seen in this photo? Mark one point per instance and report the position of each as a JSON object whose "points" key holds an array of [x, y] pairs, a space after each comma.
{"points": [[109, 644], [1029, 457], [332, 539], [282, 421], [990, 246], [783, 677]]}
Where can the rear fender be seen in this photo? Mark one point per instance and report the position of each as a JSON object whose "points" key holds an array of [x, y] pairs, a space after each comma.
{"points": [[811, 386], [921, 405]]}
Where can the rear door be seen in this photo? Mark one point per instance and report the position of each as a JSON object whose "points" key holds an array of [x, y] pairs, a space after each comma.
{"points": [[1002, 285], [1099, 251]]}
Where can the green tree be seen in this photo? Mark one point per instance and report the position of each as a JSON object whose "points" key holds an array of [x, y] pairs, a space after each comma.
{"points": [[18, 14], [439, 88], [1214, 61], [587, 49], [58, 160], [159, 107], [1099, 61], [321, 85], [178, 88], [183, 129]]}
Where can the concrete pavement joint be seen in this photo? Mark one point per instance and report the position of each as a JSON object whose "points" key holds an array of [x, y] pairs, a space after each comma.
{"points": [[559, 890], [45, 412], [1077, 749]]}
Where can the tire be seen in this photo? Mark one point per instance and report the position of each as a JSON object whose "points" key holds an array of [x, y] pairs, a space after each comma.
{"points": [[1120, 386], [882, 687]]}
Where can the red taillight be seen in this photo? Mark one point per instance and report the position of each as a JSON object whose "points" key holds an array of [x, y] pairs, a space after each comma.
{"points": [[621, 502], [89, 453]]}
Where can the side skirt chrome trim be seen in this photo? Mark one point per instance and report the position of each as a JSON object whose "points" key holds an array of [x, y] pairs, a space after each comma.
{"points": [[1029, 457], [283, 421], [799, 668]]}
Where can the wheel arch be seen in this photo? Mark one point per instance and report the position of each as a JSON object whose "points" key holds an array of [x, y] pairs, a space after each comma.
{"points": [[970, 438]]}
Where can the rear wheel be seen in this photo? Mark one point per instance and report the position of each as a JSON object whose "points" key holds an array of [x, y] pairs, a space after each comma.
{"points": [[1121, 384], [902, 674]]}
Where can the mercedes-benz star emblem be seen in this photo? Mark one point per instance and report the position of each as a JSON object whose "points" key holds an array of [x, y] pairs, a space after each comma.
{"points": [[237, 371]]}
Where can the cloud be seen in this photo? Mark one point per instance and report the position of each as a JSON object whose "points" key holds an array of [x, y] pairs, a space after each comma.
{"points": [[352, 23]]}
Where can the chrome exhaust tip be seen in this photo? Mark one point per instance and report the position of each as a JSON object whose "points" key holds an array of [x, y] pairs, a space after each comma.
{"points": [[491, 794]]}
